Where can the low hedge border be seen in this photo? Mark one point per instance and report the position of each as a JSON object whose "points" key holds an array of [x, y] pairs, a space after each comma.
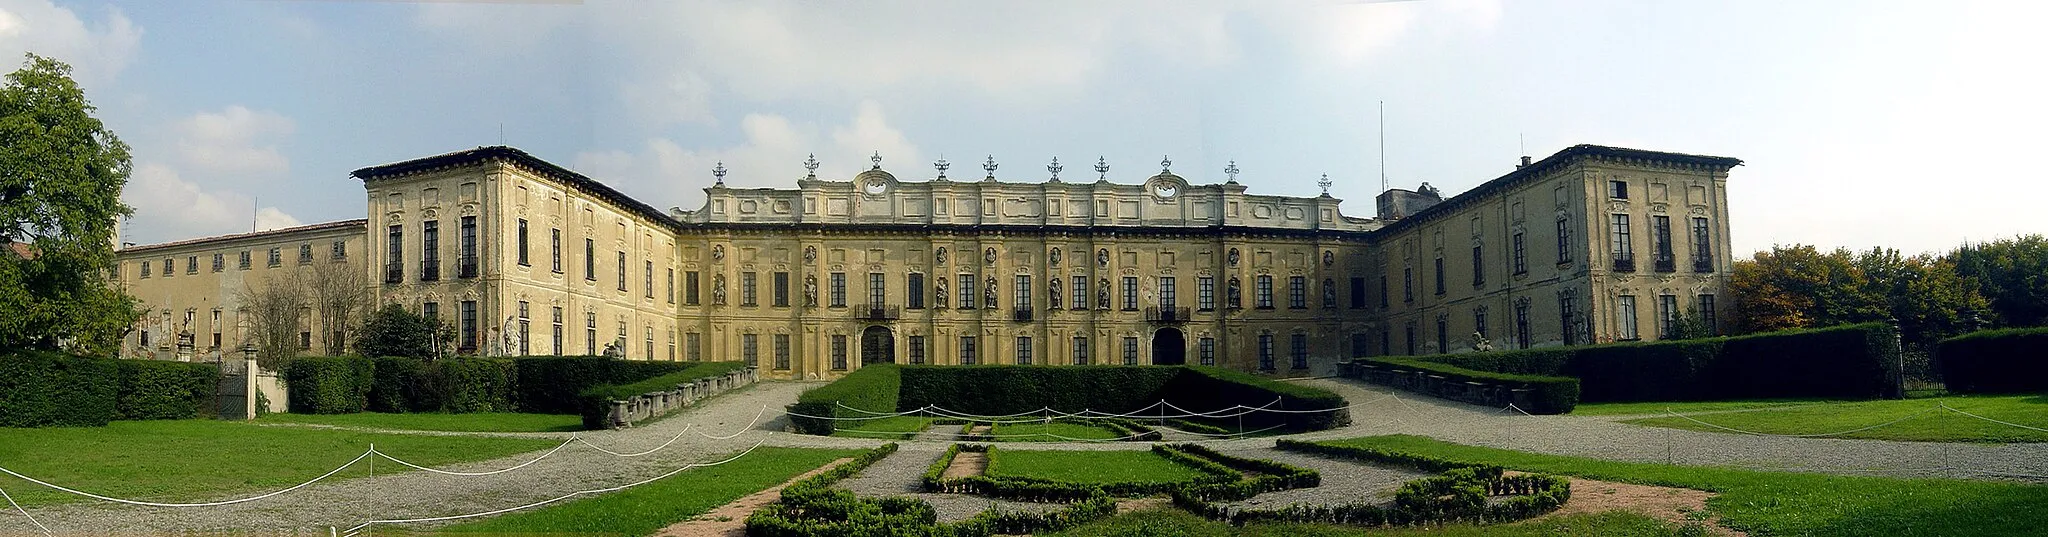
{"points": [[1197, 427], [813, 508], [1461, 492], [1031, 489], [1129, 430], [1550, 394], [1994, 361], [1271, 476]]}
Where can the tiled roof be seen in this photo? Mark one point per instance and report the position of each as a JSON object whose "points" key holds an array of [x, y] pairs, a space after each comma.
{"points": [[498, 152], [359, 222]]}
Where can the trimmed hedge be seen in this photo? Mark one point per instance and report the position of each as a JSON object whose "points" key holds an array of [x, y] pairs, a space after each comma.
{"points": [[594, 402], [1462, 492], [549, 385], [1551, 395], [47, 389], [478, 384], [872, 388], [1858, 361], [1995, 361], [1204, 389], [814, 508], [329, 384]]}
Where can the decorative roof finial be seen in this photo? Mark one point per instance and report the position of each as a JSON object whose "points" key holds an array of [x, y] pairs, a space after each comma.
{"points": [[1101, 168], [1231, 170], [1325, 183], [1055, 168], [990, 167], [719, 172], [941, 164], [811, 166], [877, 159], [1165, 165]]}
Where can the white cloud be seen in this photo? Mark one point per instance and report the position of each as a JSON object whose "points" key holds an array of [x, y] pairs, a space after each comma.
{"points": [[681, 97], [664, 173], [97, 50], [235, 140], [168, 207]]}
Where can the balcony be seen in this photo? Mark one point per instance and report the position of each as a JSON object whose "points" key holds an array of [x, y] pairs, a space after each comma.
{"points": [[1022, 315], [878, 312], [430, 271], [466, 267], [1703, 264], [394, 273], [1665, 262], [1167, 315], [1625, 263]]}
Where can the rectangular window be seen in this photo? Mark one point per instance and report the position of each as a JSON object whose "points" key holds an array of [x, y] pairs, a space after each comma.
{"points": [[1564, 240], [1521, 255], [1166, 292], [838, 352], [1205, 293], [1130, 302], [1383, 291], [557, 319], [468, 342], [968, 354], [779, 290], [555, 250], [1479, 322], [1617, 189], [1439, 276], [1660, 229], [782, 352], [1080, 293], [914, 283], [220, 262], [171, 266], [397, 248], [748, 289], [1386, 342], [839, 289], [1023, 292], [430, 250], [750, 349], [466, 264], [432, 312], [693, 346], [1206, 350], [1359, 344], [1080, 353], [145, 269], [1706, 313], [1297, 351], [647, 282], [525, 328], [1408, 333], [1023, 350], [305, 256], [669, 286], [1522, 325], [1443, 335], [690, 288], [1568, 318], [192, 265], [216, 328], [1264, 299], [1667, 316], [1619, 246], [1479, 263], [276, 259], [1265, 352], [1702, 246], [1407, 284], [589, 334], [1625, 318], [1130, 351], [305, 340], [622, 270], [1357, 292], [340, 250], [590, 259], [916, 350], [1297, 292], [878, 289], [965, 291], [520, 240]]}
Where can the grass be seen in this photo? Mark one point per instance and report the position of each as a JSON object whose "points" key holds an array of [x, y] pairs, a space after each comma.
{"points": [[893, 427], [196, 460], [1050, 432], [1682, 407], [1173, 522], [1935, 426], [647, 508], [1089, 466], [1774, 503], [488, 422]]}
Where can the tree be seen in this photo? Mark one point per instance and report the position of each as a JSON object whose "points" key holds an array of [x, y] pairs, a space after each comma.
{"points": [[2012, 274], [393, 331], [276, 311], [61, 174], [1797, 287], [1923, 293], [339, 291]]}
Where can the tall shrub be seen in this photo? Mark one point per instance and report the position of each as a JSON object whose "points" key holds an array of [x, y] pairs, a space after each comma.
{"points": [[329, 385], [873, 388], [48, 389], [155, 390], [549, 385], [1995, 361]]}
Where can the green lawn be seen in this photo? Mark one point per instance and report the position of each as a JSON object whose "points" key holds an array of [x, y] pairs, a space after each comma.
{"points": [[1936, 426], [893, 427], [1089, 466], [1049, 432], [1682, 407], [644, 509], [198, 460], [1773, 503], [1174, 522], [502, 422]]}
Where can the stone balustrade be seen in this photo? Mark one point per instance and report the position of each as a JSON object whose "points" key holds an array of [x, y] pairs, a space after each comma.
{"points": [[1478, 393], [652, 405]]}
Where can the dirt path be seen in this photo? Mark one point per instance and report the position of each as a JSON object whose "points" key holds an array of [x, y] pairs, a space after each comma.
{"points": [[967, 463], [730, 520], [1671, 505]]}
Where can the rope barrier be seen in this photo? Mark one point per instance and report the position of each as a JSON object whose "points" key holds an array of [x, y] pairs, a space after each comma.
{"points": [[743, 430], [358, 528], [24, 513], [338, 469], [1667, 410], [671, 440], [1944, 404], [565, 443]]}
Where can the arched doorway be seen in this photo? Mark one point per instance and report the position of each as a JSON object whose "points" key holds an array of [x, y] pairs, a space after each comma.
{"points": [[1169, 347], [877, 346]]}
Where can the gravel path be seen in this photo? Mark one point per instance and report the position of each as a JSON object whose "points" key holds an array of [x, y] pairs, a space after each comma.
{"points": [[1342, 481], [902, 474]]}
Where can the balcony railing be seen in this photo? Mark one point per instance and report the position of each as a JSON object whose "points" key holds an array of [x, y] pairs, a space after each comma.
{"points": [[1022, 315], [1665, 263], [1625, 264], [1167, 315], [430, 271], [394, 273], [1703, 264], [878, 312], [466, 267]]}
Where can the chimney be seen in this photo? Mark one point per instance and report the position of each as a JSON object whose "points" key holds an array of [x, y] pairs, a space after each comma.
{"points": [[1524, 164]]}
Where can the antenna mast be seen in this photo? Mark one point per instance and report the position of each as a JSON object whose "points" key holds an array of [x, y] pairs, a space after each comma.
{"points": [[1383, 146], [254, 208]]}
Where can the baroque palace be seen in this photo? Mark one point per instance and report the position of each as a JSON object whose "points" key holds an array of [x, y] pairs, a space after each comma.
{"points": [[524, 257]]}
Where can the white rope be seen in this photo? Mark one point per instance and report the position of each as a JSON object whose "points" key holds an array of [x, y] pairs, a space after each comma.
{"points": [[743, 429], [24, 513], [1944, 404], [877, 415], [1217, 435], [359, 527], [1667, 410], [671, 440], [551, 452], [338, 469], [1511, 406]]}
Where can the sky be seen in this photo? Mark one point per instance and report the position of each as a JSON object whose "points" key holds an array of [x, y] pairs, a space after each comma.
{"points": [[1911, 125]]}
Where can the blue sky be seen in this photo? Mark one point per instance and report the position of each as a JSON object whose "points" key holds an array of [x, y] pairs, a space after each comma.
{"points": [[1915, 125]]}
